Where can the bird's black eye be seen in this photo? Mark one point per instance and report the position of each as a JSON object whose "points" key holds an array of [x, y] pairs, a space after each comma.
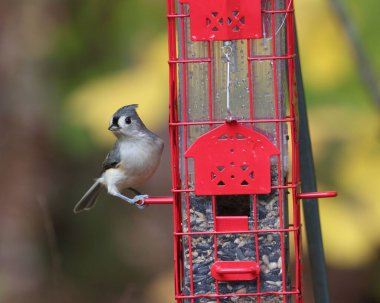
{"points": [[128, 120]]}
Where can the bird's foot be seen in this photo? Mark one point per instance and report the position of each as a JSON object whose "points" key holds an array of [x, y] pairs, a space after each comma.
{"points": [[136, 199]]}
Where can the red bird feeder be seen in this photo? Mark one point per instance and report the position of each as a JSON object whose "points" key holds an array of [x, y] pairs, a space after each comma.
{"points": [[234, 150]]}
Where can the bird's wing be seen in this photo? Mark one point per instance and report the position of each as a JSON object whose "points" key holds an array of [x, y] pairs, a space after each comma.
{"points": [[113, 157]]}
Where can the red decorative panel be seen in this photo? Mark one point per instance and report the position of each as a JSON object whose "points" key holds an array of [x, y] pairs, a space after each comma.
{"points": [[225, 19], [232, 159]]}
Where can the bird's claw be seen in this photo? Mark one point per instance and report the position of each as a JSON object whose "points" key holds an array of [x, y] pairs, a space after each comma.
{"points": [[136, 199]]}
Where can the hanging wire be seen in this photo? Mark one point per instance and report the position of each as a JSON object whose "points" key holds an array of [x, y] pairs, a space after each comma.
{"points": [[227, 50], [282, 22]]}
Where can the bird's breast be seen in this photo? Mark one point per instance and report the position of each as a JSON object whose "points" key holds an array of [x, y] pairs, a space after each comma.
{"points": [[139, 160]]}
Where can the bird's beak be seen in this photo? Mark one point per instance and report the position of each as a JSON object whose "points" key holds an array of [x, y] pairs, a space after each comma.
{"points": [[113, 128]]}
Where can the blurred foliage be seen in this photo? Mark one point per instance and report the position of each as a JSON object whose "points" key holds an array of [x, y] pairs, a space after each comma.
{"points": [[97, 37], [346, 147], [329, 68], [144, 84], [364, 16]]}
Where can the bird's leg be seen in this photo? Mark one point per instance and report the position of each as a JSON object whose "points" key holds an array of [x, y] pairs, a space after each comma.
{"points": [[114, 191], [136, 192]]}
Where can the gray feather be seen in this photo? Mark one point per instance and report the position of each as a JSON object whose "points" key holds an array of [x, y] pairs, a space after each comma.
{"points": [[126, 110], [113, 157], [89, 198]]}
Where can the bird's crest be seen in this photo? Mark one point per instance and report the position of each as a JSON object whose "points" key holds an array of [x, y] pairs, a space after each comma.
{"points": [[128, 109]]}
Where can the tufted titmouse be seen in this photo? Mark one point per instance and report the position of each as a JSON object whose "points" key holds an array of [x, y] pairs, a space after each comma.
{"points": [[131, 162]]}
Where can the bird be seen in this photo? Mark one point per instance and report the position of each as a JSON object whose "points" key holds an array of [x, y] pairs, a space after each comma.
{"points": [[133, 159]]}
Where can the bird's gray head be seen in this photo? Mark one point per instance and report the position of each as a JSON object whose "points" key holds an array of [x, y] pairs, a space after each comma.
{"points": [[126, 122]]}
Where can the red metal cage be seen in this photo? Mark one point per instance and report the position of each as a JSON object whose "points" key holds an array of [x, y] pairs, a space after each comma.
{"points": [[255, 266]]}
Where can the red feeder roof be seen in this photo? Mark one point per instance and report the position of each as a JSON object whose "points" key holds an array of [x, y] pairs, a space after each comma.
{"points": [[232, 159]]}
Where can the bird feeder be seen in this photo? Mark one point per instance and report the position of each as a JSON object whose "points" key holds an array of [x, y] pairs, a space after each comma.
{"points": [[234, 151]]}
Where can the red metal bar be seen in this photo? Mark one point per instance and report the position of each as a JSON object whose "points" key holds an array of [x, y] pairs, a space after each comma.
{"points": [[274, 57], [185, 146], [178, 15], [239, 121], [235, 270], [215, 238], [199, 60], [254, 58], [173, 117], [294, 136], [317, 195], [267, 293], [213, 199], [159, 200], [254, 231], [278, 142], [256, 236], [290, 186], [278, 11]]}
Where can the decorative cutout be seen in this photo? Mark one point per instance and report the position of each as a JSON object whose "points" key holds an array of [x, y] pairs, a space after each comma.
{"points": [[244, 183]]}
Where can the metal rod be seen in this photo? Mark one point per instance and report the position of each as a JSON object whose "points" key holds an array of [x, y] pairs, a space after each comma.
{"points": [[317, 195], [310, 206], [159, 200], [227, 50]]}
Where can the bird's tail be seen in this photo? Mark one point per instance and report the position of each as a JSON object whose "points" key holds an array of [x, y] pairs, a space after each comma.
{"points": [[89, 198]]}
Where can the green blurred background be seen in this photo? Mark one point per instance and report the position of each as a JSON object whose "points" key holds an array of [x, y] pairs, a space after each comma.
{"points": [[66, 65]]}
